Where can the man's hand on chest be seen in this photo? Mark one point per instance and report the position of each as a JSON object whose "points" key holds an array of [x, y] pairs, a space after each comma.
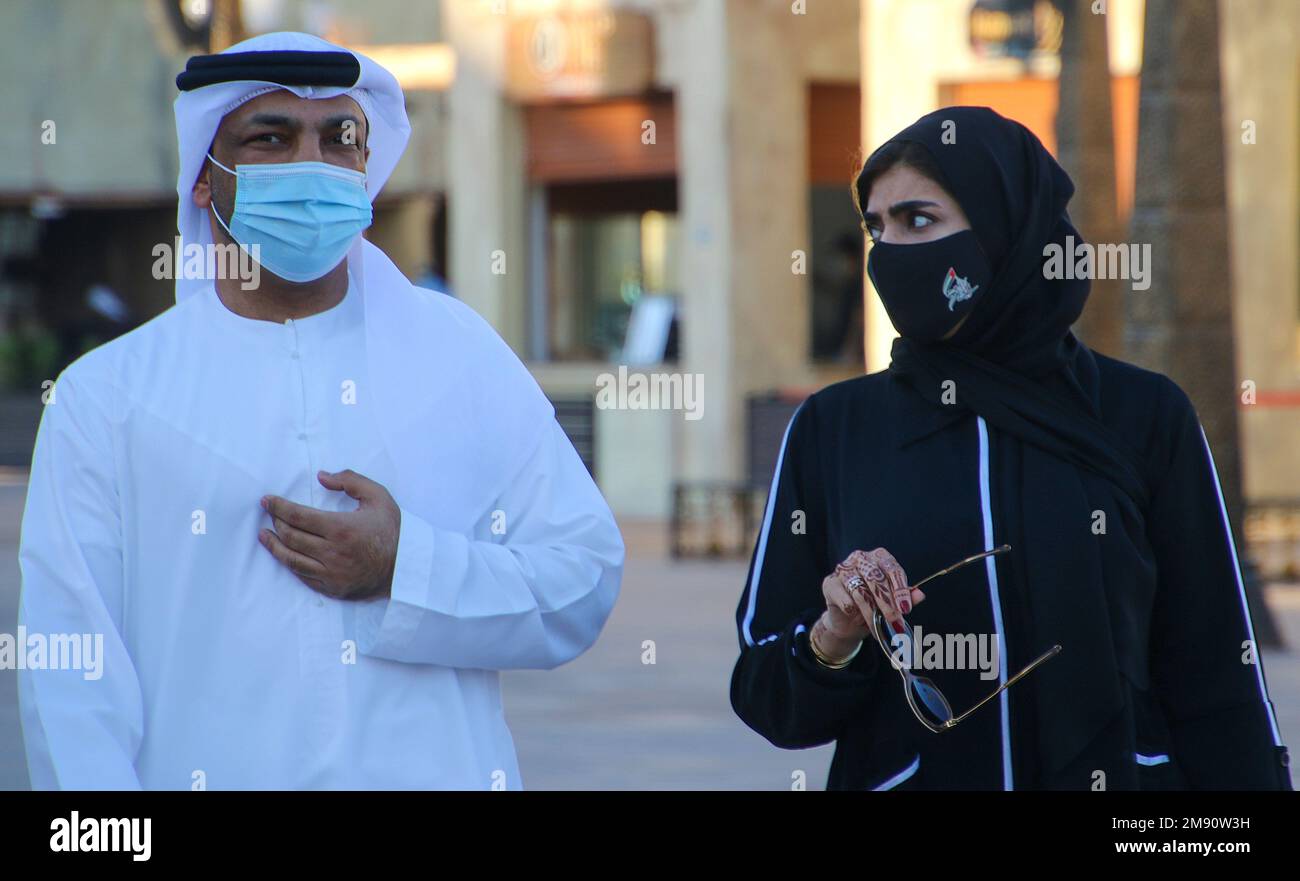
{"points": [[347, 555]]}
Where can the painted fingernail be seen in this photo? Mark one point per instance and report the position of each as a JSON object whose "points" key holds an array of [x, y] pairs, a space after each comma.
{"points": [[262, 502], [906, 606]]}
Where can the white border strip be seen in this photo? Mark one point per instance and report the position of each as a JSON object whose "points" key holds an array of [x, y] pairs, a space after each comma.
{"points": [[990, 567], [748, 623], [1241, 593], [900, 777]]}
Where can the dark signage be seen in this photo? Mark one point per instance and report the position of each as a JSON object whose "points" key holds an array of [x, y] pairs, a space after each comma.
{"points": [[1015, 28]]}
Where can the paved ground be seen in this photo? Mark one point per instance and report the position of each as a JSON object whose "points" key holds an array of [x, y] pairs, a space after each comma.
{"points": [[610, 721]]}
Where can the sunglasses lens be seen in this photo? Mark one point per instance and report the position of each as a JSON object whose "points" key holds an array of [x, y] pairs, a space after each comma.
{"points": [[897, 645], [930, 700]]}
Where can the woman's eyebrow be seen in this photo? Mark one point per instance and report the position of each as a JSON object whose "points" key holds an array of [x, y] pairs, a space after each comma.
{"points": [[899, 207]]}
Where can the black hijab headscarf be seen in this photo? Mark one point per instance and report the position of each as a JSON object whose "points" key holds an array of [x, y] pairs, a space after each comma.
{"points": [[1016, 363]]}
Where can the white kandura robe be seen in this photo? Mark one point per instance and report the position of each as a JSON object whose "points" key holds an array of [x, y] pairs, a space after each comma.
{"points": [[219, 664]]}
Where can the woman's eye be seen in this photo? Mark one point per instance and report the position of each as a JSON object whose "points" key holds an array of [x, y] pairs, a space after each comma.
{"points": [[921, 221], [268, 138]]}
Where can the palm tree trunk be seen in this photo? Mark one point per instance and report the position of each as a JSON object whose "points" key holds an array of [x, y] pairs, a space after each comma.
{"points": [[1182, 325], [1086, 149]]}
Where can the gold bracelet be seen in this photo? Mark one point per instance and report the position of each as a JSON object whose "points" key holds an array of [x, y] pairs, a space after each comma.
{"points": [[825, 661]]}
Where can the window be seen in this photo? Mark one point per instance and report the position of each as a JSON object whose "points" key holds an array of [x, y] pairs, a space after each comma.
{"points": [[607, 247]]}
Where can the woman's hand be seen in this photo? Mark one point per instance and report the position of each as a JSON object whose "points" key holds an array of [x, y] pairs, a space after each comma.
{"points": [[864, 582]]}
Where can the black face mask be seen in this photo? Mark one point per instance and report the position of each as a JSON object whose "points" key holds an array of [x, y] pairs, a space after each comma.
{"points": [[927, 288]]}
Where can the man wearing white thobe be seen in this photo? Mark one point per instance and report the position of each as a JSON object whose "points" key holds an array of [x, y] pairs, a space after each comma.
{"points": [[423, 529]]}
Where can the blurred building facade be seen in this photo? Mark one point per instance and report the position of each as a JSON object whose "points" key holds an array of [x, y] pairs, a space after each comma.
{"points": [[89, 182], [766, 106], [576, 162]]}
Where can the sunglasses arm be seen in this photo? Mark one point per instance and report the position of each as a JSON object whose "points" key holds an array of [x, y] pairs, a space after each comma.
{"points": [[1050, 653], [1001, 549]]}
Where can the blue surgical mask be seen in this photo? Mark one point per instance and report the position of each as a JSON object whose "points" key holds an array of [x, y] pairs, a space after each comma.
{"points": [[302, 216]]}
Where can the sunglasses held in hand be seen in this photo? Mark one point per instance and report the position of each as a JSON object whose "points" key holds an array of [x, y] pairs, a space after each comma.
{"points": [[928, 704]]}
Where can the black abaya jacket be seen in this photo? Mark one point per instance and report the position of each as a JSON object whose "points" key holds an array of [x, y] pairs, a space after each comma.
{"points": [[868, 463]]}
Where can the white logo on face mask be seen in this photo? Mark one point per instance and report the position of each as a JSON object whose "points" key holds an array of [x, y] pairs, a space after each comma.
{"points": [[956, 288]]}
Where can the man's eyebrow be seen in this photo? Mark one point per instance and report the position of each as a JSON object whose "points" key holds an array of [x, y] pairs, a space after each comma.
{"points": [[338, 121], [274, 120]]}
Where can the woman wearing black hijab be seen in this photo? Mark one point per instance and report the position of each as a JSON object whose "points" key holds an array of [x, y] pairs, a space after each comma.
{"points": [[1120, 591]]}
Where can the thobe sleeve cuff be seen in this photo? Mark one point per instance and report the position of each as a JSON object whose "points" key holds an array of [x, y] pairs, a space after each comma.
{"points": [[534, 601], [387, 626]]}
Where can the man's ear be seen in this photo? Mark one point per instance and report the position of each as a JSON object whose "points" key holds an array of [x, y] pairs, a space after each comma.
{"points": [[202, 192]]}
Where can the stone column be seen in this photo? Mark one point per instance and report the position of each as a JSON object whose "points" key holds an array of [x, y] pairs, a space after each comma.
{"points": [[709, 446], [484, 173], [743, 183]]}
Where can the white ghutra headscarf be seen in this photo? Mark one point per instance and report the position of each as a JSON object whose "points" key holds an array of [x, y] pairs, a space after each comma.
{"points": [[458, 411]]}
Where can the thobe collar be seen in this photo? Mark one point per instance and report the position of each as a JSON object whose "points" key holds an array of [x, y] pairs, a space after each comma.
{"points": [[345, 314], [912, 417]]}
